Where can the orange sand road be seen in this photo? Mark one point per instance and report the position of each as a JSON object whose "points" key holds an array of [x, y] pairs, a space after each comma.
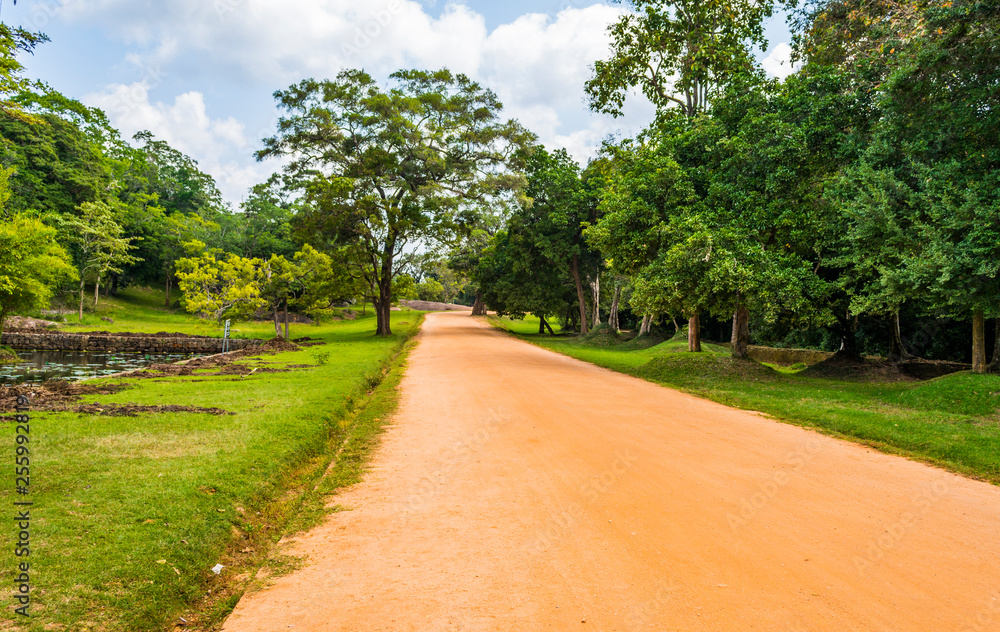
{"points": [[522, 490]]}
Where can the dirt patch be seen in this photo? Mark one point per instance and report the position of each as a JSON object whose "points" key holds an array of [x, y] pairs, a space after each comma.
{"points": [[787, 357], [24, 323], [271, 347], [308, 342], [184, 370], [53, 395], [430, 306], [930, 369], [133, 410], [242, 369], [841, 366]]}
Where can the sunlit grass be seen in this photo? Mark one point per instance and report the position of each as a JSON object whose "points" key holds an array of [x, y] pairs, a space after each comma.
{"points": [[131, 513]]}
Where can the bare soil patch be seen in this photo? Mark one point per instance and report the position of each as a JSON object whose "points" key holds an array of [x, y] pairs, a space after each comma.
{"points": [[133, 410], [53, 395], [25, 323], [841, 366], [430, 306]]}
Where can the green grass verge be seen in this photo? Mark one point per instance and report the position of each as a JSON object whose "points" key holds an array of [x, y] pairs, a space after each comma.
{"points": [[952, 421], [131, 514], [142, 310]]}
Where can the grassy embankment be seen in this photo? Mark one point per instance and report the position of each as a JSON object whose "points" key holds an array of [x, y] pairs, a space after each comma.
{"points": [[131, 513], [952, 421]]}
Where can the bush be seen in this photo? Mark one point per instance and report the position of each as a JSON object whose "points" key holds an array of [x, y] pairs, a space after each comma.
{"points": [[430, 290]]}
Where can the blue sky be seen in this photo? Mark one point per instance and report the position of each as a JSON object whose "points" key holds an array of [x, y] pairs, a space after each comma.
{"points": [[200, 73]]}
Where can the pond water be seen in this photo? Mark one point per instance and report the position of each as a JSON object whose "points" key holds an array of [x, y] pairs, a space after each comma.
{"points": [[38, 366]]}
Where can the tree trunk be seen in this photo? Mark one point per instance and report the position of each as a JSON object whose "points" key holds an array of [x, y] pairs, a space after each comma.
{"points": [[383, 309], [82, 289], [543, 325], [978, 342], [646, 325], [741, 332], [574, 269], [694, 334], [277, 322], [848, 336], [286, 319], [548, 326], [994, 366], [97, 292], [385, 316], [595, 288], [479, 307], [613, 318], [897, 350], [167, 303]]}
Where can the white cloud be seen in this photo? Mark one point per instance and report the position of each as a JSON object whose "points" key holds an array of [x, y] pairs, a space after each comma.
{"points": [[779, 62], [219, 145], [537, 64]]}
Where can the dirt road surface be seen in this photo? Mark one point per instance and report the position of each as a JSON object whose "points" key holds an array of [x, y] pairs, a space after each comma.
{"points": [[522, 490]]}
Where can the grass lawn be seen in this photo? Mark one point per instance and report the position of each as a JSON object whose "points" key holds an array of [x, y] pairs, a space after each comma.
{"points": [[131, 514], [952, 421], [142, 310]]}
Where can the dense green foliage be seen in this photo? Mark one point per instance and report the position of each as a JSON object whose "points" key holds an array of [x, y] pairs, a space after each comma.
{"points": [[678, 52], [533, 265], [31, 264], [853, 206], [379, 169]]}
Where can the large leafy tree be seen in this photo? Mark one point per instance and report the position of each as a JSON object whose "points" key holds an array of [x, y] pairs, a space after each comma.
{"points": [[167, 201], [540, 262], [941, 102], [265, 223], [678, 52], [382, 168], [652, 230], [775, 148], [921, 202], [58, 167], [310, 280]]}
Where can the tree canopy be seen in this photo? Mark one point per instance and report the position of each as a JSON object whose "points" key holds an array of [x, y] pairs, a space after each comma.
{"points": [[382, 168]]}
